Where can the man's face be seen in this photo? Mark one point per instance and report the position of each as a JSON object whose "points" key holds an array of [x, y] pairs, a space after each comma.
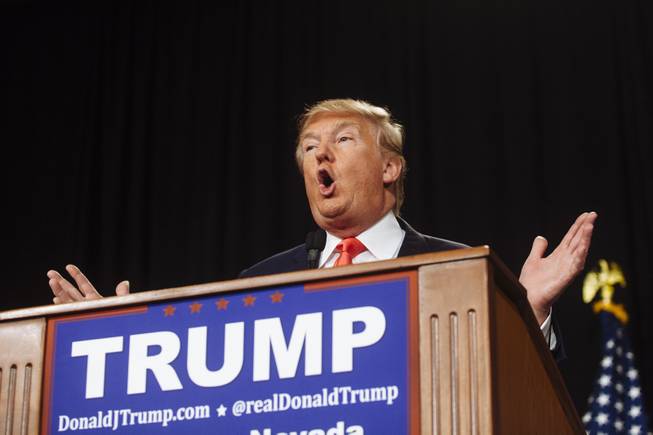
{"points": [[346, 173]]}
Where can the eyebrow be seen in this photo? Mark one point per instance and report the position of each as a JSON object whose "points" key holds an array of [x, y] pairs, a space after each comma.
{"points": [[340, 125], [309, 135]]}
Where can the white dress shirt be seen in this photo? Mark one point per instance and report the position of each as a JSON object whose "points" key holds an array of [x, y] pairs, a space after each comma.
{"points": [[383, 241]]}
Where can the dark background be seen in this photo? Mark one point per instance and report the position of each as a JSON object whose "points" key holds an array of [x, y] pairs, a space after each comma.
{"points": [[153, 141]]}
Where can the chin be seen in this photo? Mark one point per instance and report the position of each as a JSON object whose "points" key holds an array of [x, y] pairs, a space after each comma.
{"points": [[329, 215]]}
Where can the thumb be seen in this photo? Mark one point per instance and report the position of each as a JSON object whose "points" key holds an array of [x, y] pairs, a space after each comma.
{"points": [[122, 289], [539, 248]]}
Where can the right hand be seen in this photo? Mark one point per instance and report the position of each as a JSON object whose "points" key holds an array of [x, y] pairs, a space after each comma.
{"points": [[65, 292]]}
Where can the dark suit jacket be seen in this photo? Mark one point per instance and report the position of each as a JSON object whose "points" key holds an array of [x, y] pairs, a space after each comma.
{"points": [[414, 243], [296, 259]]}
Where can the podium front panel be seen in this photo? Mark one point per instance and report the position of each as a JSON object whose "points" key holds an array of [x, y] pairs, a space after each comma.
{"points": [[338, 356]]}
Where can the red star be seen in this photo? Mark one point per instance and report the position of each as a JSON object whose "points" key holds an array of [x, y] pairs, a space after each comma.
{"points": [[276, 297], [169, 311], [222, 304], [249, 300], [195, 307]]}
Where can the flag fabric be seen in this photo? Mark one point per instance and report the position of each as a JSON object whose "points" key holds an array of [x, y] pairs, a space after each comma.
{"points": [[616, 405]]}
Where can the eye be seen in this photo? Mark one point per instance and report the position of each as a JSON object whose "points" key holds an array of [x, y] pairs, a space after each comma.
{"points": [[342, 139], [309, 147]]}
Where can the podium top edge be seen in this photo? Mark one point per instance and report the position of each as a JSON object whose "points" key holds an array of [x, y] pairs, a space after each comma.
{"points": [[287, 278]]}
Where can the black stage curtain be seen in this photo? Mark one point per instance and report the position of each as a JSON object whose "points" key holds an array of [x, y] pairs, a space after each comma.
{"points": [[153, 141]]}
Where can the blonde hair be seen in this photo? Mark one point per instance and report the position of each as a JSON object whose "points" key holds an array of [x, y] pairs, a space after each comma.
{"points": [[390, 134]]}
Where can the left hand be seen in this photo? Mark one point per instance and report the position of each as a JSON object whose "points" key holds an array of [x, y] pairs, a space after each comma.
{"points": [[546, 277]]}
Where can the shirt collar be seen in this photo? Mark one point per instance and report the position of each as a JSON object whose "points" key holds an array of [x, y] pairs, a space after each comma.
{"points": [[382, 239]]}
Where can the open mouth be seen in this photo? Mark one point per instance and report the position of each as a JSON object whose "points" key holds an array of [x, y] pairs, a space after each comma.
{"points": [[326, 182]]}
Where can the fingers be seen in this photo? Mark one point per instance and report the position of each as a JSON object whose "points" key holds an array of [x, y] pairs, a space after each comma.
{"points": [[60, 295], [63, 289], [581, 243], [54, 283], [584, 233], [122, 289], [65, 292], [82, 282], [538, 249], [566, 240]]}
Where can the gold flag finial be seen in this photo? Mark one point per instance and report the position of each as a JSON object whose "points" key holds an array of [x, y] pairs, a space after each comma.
{"points": [[605, 280]]}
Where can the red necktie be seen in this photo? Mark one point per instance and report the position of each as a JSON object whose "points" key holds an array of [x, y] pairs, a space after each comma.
{"points": [[348, 248]]}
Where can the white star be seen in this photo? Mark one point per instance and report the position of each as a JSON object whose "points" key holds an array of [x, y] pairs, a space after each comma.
{"points": [[603, 399], [619, 425], [635, 411], [619, 333], [634, 430], [610, 344], [632, 374], [619, 351], [604, 380], [629, 355], [601, 419], [606, 362], [587, 417], [222, 410], [620, 369], [619, 406], [619, 388], [633, 393]]}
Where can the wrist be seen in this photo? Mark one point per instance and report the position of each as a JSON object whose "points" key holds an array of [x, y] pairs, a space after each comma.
{"points": [[541, 313]]}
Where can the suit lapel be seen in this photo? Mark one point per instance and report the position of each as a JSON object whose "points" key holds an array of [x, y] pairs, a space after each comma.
{"points": [[413, 243], [300, 259]]}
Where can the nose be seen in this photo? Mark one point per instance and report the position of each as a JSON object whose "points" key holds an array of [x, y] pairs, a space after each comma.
{"points": [[324, 152]]}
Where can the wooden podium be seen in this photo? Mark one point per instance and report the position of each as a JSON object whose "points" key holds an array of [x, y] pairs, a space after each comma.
{"points": [[484, 367]]}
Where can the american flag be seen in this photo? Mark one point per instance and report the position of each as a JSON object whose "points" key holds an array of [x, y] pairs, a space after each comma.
{"points": [[616, 405]]}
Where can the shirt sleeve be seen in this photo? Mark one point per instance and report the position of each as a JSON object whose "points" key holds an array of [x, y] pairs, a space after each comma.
{"points": [[549, 334]]}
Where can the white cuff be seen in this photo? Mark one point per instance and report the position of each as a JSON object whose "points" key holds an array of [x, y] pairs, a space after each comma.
{"points": [[549, 334]]}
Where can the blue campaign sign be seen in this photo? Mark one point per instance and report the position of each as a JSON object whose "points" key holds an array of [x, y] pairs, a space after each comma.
{"points": [[331, 358]]}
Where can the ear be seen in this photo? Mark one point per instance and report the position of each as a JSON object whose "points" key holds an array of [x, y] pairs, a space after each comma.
{"points": [[391, 169]]}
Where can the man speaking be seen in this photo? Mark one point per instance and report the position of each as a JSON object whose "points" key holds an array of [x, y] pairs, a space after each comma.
{"points": [[350, 154]]}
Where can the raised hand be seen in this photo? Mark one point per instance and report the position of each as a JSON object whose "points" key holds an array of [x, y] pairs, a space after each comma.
{"points": [[65, 292], [545, 278]]}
